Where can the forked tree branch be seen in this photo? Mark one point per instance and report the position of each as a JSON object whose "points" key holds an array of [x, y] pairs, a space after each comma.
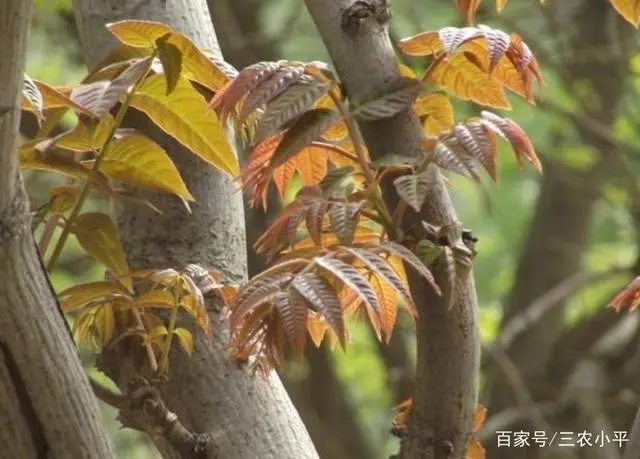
{"points": [[356, 36]]}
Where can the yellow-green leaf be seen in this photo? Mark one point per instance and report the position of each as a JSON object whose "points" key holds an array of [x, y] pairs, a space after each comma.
{"points": [[83, 294], [138, 160], [104, 323], [184, 115], [138, 34], [186, 339], [171, 58], [97, 234], [85, 136], [162, 299], [63, 197], [196, 65]]}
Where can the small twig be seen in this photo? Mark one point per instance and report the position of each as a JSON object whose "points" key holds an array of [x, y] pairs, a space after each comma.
{"points": [[520, 390], [153, 362], [540, 306]]}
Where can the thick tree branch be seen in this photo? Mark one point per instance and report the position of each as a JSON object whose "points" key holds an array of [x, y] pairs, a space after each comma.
{"points": [[46, 405], [208, 392], [448, 339]]}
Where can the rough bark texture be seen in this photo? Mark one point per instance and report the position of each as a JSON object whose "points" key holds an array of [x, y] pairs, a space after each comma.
{"points": [[246, 416], [448, 339], [47, 408]]}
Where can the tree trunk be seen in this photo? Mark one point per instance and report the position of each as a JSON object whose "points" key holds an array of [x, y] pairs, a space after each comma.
{"points": [[448, 338], [48, 409], [247, 417]]}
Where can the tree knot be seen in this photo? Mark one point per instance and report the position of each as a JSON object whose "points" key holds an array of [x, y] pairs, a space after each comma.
{"points": [[361, 10]]}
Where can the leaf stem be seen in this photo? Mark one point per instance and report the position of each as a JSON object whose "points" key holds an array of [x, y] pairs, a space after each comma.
{"points": [[163, 368], [358, 143], [66, 230]]}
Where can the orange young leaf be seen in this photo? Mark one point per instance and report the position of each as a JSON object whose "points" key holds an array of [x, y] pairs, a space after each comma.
{"points": [[464, 79], [422, 44], [500, 4], [628, 297], [468, 9], [629, 9]]}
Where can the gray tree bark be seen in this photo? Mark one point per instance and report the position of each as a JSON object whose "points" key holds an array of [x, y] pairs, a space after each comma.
{"points": [[245, 416], [47, 409], [448, 339]]}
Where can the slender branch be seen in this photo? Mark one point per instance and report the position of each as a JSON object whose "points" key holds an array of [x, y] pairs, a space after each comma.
{"points": [[96, 165], [539, 307]]}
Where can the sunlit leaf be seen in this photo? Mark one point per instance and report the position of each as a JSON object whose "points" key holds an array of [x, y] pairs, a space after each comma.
{"points": [[183, 114], [468, 82], [196, 65], [422, 44], [629, 9], [436, 110], [468, 9], [138, 160], [186, 339]]}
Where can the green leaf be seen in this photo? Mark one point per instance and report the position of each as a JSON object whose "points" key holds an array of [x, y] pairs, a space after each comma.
{"points": [[427, 251], [186, 339], [184, 115], [171, 58], [138, 160], [97, 234]]}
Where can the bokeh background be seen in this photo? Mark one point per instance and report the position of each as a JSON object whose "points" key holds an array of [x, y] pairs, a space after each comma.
{"points": [[553, 249]]}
